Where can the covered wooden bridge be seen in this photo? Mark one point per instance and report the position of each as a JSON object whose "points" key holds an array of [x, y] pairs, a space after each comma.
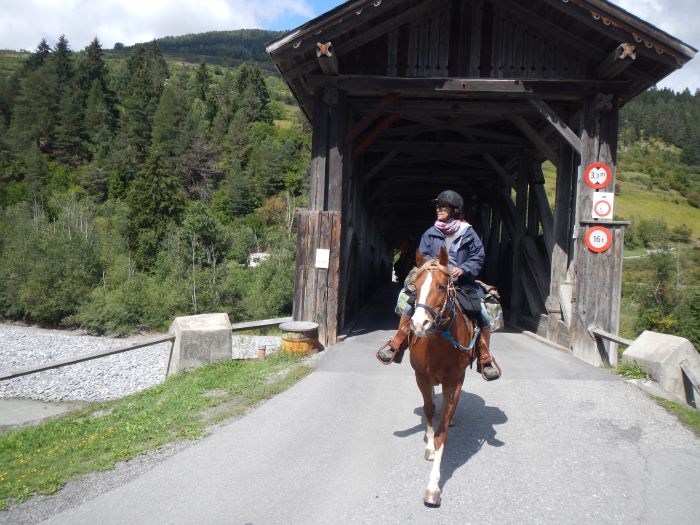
{"points": [[410, 97]]}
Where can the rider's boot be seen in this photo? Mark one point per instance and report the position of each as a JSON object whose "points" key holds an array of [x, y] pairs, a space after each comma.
{"points": [[393, 351], [486, 362]]}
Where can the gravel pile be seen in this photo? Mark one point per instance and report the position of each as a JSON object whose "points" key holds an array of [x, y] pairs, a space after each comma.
{"points": [[100, 379]]}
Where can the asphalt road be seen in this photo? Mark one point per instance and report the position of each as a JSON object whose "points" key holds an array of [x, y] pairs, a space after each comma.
{"points": [[554, 441]]}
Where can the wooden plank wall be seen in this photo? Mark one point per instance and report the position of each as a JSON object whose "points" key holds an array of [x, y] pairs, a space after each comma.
{"points": [[316, 289], [520, 50]]}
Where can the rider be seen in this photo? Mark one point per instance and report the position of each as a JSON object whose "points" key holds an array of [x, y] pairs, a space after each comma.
{"points": [[466, 256]]}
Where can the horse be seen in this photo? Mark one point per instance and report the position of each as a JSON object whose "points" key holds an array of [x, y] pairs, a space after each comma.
{"points": [[438, 356]]}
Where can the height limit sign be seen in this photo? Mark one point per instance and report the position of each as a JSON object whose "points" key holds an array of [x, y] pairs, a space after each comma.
{"points": [[603, 205]]}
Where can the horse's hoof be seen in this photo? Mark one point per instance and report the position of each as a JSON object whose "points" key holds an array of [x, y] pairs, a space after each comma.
{"points": [[431, 498], [429, 454]]}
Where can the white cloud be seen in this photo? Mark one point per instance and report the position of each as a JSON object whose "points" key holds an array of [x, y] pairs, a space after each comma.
{"points": [[24, 23]]}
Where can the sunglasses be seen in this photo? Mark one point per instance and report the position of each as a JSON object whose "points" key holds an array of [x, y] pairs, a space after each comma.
{"points": [[442, 206]]}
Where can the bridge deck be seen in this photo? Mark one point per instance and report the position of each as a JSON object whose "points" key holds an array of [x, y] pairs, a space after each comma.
{"points": [[553, 441]]}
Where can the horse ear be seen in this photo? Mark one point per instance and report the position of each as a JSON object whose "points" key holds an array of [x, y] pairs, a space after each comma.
{"points": [[442, 258], [420, 260]]}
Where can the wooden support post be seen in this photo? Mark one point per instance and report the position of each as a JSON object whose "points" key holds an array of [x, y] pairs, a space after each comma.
{"points": [[598, 280], [559, 300], [316, 285], [328, 149], [518, 233]]}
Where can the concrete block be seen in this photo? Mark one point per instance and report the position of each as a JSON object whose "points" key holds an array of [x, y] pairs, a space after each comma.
{"points": [[661, 355], [199, 340]]}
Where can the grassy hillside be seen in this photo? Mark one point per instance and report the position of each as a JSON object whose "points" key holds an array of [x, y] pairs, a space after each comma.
{"points": [[638, 199]]}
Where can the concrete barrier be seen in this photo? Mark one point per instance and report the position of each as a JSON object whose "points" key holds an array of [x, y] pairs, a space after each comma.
{"points": [[199, 340], [661, 355]]}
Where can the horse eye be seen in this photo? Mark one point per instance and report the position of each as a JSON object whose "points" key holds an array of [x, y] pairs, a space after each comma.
{"points": [[442, 287]]}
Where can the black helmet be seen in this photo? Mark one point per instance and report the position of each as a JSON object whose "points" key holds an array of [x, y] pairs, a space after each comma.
{"points": [[450, 197]]}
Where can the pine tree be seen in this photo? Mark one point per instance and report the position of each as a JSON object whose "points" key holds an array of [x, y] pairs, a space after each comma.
{"points": [[38, 57], [70, 134], [166, 123], [155, 199], [253, 96], [61, 61], [92, 67], [202, 81]]}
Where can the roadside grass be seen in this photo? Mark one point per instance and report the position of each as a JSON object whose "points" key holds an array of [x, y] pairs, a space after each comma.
{"points": [[630, 370], [688, 416], [41, 459]]}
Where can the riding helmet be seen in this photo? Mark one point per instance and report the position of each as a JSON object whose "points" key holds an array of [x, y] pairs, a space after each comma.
{"points": [[450, 197]]}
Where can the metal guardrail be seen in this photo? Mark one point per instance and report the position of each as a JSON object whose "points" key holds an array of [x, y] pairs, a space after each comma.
{"points": [[691, 385], [249, 325], [599, 335], [87, 357]]}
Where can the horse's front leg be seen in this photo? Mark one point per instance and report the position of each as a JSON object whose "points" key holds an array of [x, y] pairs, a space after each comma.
{"points": [[426, 389], [450, 398]]}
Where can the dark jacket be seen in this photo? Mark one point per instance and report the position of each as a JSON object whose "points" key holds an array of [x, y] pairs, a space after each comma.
{"points": [[466, 252]]}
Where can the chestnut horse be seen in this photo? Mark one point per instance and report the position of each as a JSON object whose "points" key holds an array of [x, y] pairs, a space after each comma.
{"points": [[442, 345]]}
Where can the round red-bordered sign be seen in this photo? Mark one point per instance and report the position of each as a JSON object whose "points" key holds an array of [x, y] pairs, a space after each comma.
{"points": [[598, 175], [602, 209], [598, 239]]}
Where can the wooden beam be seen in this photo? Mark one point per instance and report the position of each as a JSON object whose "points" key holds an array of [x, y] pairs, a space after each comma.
{"points": [[457, 148], [325, 54], [365, 121], [385, 123], [454, 109], [360, 85], [536, 139], [557, 122], [616, 62]]}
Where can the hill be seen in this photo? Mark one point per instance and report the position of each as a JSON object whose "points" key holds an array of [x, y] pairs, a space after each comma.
{"points": [[226, 48]]}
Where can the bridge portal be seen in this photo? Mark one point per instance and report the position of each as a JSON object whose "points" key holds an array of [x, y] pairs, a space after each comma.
{"points": [[410, 97]]}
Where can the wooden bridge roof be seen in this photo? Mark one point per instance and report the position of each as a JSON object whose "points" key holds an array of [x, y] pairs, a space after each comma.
{"points": [[450, 93]]}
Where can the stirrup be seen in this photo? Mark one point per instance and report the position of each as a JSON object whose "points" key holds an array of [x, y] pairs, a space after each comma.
{"points": [[389, 359], [494, 365]]}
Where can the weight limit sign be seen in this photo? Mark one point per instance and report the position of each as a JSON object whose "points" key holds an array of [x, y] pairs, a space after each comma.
{"points": [[598, 239]]}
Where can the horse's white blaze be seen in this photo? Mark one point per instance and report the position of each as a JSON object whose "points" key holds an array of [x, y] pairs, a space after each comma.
{"points": [[421, 321], [434, 483]]}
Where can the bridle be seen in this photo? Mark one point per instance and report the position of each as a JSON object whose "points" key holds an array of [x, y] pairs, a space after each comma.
{"points": [[447, 311], [445, 318]]}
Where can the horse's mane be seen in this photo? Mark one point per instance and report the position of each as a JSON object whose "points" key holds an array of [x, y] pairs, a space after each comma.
{"points": [[432, 264]]}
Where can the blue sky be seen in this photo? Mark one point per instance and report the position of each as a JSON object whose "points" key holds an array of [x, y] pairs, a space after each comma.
{"points": [[23, 23]]}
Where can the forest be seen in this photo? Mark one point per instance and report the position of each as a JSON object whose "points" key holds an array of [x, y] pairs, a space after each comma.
{"points": [[133, 193], [134, 186]]}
